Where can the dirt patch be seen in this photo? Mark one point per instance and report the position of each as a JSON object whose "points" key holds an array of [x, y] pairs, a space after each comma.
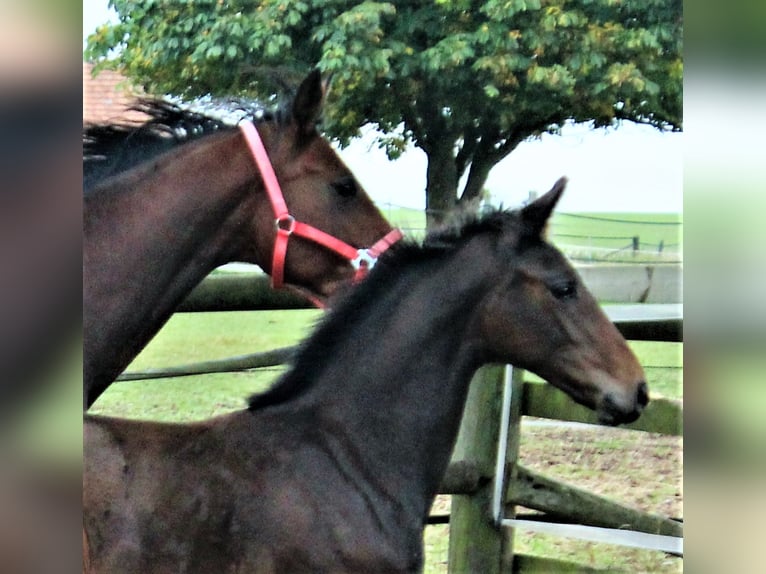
{"points": [[639, 469]]}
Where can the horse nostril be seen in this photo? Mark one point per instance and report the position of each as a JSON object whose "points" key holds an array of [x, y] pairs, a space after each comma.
{"points": [[642, 395]]}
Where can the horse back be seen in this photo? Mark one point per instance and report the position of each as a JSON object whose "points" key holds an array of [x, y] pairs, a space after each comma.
{"points": [[243, 494]]}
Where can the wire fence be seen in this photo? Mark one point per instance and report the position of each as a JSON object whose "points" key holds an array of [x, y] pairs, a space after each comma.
{"points": [[590, 238]]}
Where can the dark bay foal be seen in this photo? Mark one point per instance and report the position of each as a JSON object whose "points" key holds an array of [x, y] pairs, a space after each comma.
{"points": [[157, 228], [335, 468]]}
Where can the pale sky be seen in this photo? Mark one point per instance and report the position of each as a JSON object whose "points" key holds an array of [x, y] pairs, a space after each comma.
{"points": [[630, 168]]}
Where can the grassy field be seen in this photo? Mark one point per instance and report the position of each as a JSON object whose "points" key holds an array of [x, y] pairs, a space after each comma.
{"points": [[192, 337], [651, 228], [636, 468]]}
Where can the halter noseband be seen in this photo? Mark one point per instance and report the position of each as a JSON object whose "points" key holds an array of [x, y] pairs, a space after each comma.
{"points": [[362, 260]]}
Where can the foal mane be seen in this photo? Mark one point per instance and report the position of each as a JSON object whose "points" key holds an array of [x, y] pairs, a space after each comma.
{"points": [[337, 325]]}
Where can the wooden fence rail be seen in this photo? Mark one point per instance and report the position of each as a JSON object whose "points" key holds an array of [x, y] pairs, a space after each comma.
{"points": [[645, 283], [478, 540]]}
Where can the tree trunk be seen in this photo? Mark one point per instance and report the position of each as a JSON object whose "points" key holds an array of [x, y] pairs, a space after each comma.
{"points": [[477, 177], [443, 178], [445, 170], [441, 182]]}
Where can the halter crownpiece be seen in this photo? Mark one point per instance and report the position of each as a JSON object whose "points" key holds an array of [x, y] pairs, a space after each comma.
{"points": [[362, 260]]}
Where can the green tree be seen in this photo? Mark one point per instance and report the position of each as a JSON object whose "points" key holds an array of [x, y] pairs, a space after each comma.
{"points": [[464, 80]]}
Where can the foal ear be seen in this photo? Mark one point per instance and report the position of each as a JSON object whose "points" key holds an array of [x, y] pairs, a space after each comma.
{"points": [[536, 214], [308, 102]]}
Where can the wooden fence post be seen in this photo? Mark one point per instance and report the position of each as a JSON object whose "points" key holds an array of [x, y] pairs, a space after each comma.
{"points": [[475, 544], [511, 463]]}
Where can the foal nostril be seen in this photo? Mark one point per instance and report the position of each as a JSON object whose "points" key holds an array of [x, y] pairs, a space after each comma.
{"points": [[642, 395]]}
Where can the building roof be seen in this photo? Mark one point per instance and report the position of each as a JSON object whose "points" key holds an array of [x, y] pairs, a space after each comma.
{"points": [[107, 97]]}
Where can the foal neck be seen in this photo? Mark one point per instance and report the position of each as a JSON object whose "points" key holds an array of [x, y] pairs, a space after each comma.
{"points": [[389, 372]]}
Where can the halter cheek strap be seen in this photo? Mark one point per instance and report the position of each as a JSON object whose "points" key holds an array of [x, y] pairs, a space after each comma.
{"points": [[362, 260]]}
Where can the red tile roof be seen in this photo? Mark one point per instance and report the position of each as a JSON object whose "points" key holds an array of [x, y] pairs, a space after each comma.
{"points": [[107, 97]]}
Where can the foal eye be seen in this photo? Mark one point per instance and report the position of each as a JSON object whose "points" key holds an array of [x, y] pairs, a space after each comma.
{"points": [[564, 290], [345, 187]]}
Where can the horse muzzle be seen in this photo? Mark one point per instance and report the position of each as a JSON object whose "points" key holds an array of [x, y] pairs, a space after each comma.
{"points": [[614, 409]]}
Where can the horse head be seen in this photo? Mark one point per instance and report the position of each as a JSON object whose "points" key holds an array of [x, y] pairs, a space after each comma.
{"points": [[318, 188], [540, 316]]}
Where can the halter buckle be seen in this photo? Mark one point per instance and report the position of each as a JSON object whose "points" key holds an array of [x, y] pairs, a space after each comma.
{"points": [[285, 223], [363, 260]]}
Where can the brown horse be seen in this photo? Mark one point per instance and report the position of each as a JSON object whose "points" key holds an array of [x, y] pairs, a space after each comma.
{"points": [[335, 468], [156, 230]]}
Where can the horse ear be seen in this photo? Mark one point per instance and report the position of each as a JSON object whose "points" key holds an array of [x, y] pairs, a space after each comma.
{"points": [[536, 214], [308, 102]]}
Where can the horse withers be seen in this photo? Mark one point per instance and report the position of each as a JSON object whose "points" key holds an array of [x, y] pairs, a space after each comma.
{"points": [[275, 194], [335, 468]]}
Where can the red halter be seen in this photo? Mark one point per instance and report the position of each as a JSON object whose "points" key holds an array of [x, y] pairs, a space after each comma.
{"points": [[362, 260]]}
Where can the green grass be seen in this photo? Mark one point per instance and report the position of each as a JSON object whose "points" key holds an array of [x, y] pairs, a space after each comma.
{"points": [[596, 228], [411, 221], [203, 336], [663, 365], [606, 557], [192, 337]]}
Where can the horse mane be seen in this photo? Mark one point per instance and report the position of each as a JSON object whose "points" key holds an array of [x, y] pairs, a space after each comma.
{"points": [[167, 120], [336, 325], [109, 149]]}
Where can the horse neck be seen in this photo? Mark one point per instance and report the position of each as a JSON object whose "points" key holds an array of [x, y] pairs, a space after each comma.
{"points": [[155, 232], [392, 394], [207, 174]]}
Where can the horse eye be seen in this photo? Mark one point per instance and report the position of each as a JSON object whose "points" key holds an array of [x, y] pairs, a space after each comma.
{"points": [[564, 290], [345, 187]]}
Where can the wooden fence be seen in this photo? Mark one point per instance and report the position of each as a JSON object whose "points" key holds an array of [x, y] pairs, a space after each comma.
{"points": [[488, 483], [484, 477]]}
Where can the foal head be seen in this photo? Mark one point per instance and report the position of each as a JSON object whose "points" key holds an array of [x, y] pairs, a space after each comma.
{"points": [[538, 315]]}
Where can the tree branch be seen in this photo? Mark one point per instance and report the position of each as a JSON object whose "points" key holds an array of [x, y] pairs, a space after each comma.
{"points": [[464, 156], [494, 147]]}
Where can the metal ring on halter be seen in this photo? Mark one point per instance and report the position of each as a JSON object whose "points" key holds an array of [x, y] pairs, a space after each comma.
{"points": [[285, 223], [363, 259]]}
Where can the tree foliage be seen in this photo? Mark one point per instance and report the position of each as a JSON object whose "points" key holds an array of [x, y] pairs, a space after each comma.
{"points": [[464, 80]]}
